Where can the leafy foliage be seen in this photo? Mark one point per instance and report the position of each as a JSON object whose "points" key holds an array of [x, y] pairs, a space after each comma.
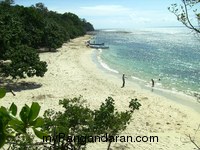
{"points": [[74, 121], [108, 120], [183, 13], [23, 60], [77, 121], [88, 26], [14, 131], [2, 92], [80, 121], [23, 30]]}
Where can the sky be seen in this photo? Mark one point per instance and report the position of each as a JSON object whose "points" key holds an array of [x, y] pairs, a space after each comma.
{"points": [[108, 14]]}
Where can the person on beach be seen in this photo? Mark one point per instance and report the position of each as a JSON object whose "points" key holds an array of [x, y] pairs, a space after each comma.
{"points": [[152, 83], [123, 80]]}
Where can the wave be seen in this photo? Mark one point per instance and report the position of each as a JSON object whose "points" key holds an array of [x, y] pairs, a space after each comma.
{"points": [[116, 31], [170, 90], [103, 64], [159, 86], [136, 78], [174, 92], [109, 30]]}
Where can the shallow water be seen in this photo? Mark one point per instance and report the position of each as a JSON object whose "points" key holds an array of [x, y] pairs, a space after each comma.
{"points": [[169, 54]]}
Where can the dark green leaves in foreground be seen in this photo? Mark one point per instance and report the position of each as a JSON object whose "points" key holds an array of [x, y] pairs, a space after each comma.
{"points": [[2, 92], [13, 109], [11, 126]]}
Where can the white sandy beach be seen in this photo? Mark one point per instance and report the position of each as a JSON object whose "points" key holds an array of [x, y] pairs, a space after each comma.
{"points": [[72, 72]]}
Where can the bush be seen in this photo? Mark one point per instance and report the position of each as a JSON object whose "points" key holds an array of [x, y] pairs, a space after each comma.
{"points": [[78, 121], [16, 132]]}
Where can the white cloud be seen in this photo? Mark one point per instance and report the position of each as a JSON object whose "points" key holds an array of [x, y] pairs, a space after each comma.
{"points": [[122, 17], [105, 10]]}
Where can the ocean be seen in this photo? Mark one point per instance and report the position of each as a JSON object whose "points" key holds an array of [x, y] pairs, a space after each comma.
{"points": [[170, 56]]}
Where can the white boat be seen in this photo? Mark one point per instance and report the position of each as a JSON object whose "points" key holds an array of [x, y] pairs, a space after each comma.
{"points": [[99, 46]]}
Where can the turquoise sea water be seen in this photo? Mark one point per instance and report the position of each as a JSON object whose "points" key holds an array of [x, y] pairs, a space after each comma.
{"points": [[169, 54]]}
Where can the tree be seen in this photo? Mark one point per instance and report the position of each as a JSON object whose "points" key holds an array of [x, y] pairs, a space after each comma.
{"points": [[75, 121], [88, 26], [41, 6], [75, 26], [53, 36], [33, 24], [108, 120], [7, 2], [23, 30], [25, 62], [187, 13]]}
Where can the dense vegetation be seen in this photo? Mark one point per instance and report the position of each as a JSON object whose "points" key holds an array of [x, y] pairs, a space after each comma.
{"points": [[24, 30]]}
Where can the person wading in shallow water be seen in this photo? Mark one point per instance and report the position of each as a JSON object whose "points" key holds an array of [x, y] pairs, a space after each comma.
{"points": [[152, 81], [123, 80]]}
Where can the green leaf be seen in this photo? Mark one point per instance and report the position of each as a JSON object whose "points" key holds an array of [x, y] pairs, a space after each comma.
{"points": [[13, 109], [17, 125], [4, 112], [2, 139], [39, 122], [2, 92], [24, 113], [2, 134], [39, 134], [134, 104], [1, 125], [34, 111]]}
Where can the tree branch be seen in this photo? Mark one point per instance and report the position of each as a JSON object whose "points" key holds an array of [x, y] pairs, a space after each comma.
{"points": [[193, 142], [188, 19]]}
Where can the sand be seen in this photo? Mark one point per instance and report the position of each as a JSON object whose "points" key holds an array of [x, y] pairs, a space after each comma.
{"points": [[72, 72]]}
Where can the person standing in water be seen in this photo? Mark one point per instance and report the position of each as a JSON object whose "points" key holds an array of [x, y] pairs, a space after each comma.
{"points": [[152, 83], [123, 80]]}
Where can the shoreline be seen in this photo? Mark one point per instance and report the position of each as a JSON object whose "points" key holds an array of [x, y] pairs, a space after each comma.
{"points": [[176, 96], [126, 56], [72, 72]]}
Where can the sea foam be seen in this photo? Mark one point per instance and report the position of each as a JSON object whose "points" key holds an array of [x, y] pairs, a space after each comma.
{"points": [[103, 64]]}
